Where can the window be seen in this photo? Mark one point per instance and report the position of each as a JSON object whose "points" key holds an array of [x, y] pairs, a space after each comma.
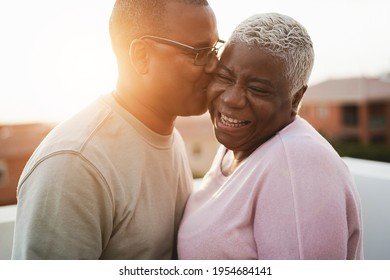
{"points": [[350, 115], [3, 173], [322, 112], [377, 118]]}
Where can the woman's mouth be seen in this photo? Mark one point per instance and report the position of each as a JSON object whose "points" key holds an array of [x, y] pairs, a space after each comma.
{"points": [[232, 122]]}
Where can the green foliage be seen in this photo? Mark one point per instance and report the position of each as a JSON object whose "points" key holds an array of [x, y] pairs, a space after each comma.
{"points": [[377, 152]]}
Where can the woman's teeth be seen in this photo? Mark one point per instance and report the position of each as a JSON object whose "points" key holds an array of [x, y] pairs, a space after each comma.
{"points": [[225, 120]]}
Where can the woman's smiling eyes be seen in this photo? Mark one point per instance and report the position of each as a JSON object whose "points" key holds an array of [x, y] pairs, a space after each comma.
{"points": [[224, 78], [256, 88]]}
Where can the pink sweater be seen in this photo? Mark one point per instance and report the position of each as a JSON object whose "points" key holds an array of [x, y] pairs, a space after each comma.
{"points": [[293, 198]]}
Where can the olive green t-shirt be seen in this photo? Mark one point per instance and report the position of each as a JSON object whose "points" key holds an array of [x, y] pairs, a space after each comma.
{"points": [[102, 186]]}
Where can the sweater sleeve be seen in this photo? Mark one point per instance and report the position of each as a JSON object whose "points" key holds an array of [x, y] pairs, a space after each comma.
{"points": [[65, 210], [307, 208]]}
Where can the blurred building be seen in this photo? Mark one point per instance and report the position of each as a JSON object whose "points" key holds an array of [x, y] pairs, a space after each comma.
{"points": [[356, 109], [17, 143]]}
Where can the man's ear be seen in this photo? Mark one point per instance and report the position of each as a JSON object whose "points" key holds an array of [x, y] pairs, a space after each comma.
{"points": [[297, 99], [139, 56]]}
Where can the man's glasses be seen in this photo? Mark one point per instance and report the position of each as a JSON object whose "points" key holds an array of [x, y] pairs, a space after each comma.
{"points": [[202, 55]]}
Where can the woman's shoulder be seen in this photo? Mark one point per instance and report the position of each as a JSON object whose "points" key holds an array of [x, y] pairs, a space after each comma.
{"points": [[298, 141]]}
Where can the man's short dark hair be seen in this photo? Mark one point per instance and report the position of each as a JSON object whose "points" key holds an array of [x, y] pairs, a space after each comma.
{"points": [[131, 19]]}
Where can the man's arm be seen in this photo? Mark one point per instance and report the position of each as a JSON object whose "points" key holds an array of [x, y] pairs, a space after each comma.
{"points": [[64, 210]]}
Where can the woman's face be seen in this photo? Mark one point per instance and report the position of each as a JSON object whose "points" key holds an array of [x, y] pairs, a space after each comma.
{"points": [[249, 98]]}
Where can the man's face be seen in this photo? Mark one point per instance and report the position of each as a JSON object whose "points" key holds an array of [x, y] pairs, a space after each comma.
{"points": [[179, 87]]}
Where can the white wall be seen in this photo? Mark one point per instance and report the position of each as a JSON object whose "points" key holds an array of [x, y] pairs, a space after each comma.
{"points": [[373, 183], [7, 219]]}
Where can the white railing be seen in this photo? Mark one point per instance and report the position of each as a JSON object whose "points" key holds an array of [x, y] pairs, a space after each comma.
{"points": [[373, 183], [7, 220]]}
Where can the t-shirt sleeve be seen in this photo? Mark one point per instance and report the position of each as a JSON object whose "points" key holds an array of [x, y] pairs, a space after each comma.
{"points": [[65, 210]]}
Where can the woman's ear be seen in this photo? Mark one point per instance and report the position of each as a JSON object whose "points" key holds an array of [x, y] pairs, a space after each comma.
{"points": [[139, 56], [297, 99]]}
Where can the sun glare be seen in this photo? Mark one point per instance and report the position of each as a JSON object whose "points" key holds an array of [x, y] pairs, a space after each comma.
{"points": [[56, 55], [59, 59]]}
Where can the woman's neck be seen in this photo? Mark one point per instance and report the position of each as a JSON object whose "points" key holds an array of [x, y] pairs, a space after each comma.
{"points": [[230, 162]]}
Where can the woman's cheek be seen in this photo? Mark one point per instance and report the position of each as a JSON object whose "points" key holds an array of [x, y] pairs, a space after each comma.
{"points": [[214, 90]]}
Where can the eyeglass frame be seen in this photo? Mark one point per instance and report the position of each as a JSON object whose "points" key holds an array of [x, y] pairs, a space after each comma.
{"points": [[212, 50]]}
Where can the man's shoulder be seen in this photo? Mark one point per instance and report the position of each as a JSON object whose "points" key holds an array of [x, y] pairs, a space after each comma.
{"points": [[72, 133]]}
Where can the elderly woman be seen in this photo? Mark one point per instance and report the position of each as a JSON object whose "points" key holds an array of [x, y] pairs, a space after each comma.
{"points": [[276, 189]]}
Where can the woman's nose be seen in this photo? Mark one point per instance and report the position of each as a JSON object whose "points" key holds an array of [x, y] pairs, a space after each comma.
{"points": [[234, 97]]}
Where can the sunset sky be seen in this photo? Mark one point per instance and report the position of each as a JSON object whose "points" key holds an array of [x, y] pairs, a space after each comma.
{"points": [[55, 56]]}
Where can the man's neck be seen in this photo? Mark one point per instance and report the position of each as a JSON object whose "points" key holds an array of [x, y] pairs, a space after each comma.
{"points": [[144, 113]]}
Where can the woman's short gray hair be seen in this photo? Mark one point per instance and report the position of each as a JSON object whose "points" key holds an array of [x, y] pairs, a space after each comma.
{"points": [[283, 37]]}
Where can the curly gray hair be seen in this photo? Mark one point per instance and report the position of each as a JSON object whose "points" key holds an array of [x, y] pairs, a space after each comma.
{"points": [[282, 37]]}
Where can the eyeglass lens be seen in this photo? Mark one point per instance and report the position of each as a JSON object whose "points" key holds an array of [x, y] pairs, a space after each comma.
{"points": [[203, 57]]}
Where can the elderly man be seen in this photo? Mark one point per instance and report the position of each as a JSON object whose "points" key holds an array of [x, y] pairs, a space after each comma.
{"points": [[112, 182]]}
